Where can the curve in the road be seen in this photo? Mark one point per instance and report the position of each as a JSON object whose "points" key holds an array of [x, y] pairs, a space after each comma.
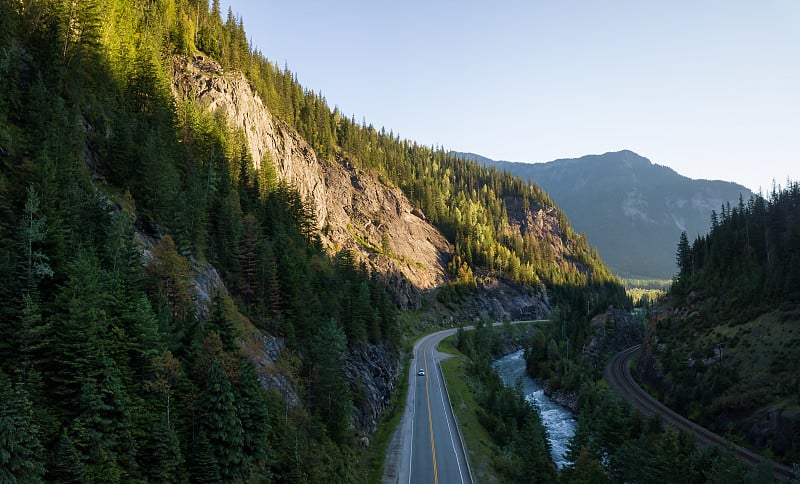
{"points": [[434, 454], [407, 458], [618, 374]]}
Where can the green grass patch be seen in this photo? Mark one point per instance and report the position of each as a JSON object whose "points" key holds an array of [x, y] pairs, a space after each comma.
{"points": [[446, 346], [480, 448], [762, 348]]}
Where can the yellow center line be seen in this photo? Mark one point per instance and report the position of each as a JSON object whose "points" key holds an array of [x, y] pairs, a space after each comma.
{"points": [[430, 419]]}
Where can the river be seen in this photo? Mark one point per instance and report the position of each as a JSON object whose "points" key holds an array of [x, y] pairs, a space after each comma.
{"points": [[557, 420]]}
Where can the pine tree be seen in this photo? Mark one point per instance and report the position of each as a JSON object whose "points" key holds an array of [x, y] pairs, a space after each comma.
{"points": [[74, 340], [68, 464], [587, 470], [21, 453], [103, 427], [251, 405], [331, 393], [532, 446], [204, 468], [248, 285], [32, 234], [221, 424], [162, 457], [31, 336], [222, 321], [171, 271], [684, 257]]}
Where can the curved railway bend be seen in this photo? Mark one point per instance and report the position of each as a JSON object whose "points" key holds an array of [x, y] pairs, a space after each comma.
{"points": [[618, 375]]}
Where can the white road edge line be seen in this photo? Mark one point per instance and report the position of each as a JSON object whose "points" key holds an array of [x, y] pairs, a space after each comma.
{"points": [[413, 414], [440, 377]]}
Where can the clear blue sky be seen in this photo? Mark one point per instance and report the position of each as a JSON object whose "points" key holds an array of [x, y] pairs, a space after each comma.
{"points": [[708, 88]]}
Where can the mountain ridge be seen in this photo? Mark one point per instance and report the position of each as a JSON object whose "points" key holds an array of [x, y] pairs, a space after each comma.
{"points": [[623, 196], [359, 209]]}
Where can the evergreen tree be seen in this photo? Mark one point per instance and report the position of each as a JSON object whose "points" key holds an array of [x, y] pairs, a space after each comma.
{"points": [[162, 459], [68, 462], [75, 339], [534, 450], [205, 468], [251, 405], [21, 453], [331, 394], [684, 257], [103, 426], [32, 234], [220, 423], [586, 470], [222, 321]]}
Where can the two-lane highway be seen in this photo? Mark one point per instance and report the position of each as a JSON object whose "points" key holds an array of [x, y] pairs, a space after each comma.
{"points": [[432, 447], [427, 446]]}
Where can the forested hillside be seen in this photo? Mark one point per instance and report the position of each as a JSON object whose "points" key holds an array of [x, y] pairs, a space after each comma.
{"points": [[112, 194], [109, 372], [751, 256], [722, 348], [488, 215], [631, 209]]}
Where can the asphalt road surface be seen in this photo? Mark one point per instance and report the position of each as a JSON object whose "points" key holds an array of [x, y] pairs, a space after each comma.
{"points": [[432, 450], [618, 375]]}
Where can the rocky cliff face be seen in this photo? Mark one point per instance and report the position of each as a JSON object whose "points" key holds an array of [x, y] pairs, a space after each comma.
{"points": [[612, 331], [354, 210], [372, 372], [498, 300]]}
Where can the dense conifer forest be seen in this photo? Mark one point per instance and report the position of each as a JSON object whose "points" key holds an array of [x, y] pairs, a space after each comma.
{"points": [[724, 348], [751, 256], [107, 370], [724, 338]]}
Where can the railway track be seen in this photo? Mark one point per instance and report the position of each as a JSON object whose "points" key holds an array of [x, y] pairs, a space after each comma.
{"points": [[618, 374]]}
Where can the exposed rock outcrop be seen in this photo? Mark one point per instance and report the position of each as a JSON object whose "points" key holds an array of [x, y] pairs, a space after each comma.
{"points": [[372, 372], [354, 210], [497, 300], [267, 351], [205, 282], [612, 331], [269, 139], [378, 224]]}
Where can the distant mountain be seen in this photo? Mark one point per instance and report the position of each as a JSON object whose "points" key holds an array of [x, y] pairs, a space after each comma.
{"points": [[631, 209]]}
